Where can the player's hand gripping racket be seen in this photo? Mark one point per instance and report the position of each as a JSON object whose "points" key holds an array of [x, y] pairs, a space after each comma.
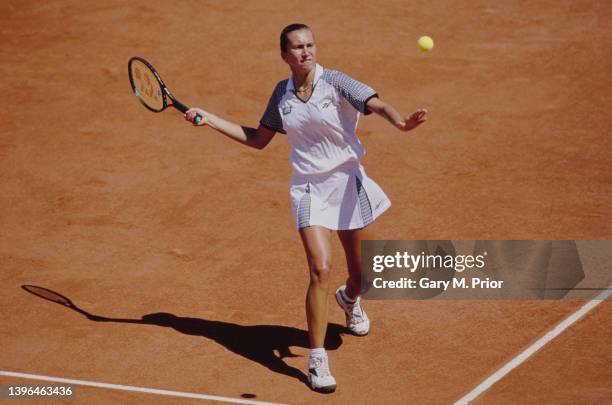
{"points": [[150, 89]]}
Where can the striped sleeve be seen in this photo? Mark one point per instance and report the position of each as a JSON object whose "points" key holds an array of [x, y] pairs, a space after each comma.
{"points": [[271, 118], [355, 92]]}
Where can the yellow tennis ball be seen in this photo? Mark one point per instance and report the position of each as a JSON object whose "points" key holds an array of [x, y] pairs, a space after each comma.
{"points": [[425, 43]]}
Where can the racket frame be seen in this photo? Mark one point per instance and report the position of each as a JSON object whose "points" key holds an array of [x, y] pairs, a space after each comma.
{"points": [[165, 91]]}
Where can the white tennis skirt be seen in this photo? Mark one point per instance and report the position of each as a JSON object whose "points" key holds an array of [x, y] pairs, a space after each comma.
{"points": [[345, 198]]}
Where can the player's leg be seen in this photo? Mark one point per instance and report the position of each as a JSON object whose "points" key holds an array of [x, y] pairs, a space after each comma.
{"points": [[351, 242], [317, 245], [348, 296]]}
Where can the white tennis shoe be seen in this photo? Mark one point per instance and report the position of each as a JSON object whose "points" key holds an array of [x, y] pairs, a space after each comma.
{"points": [[319, 376], [356, 319]]}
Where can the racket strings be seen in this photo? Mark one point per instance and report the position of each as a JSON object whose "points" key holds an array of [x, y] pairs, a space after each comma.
{"points": [[146, 86]]}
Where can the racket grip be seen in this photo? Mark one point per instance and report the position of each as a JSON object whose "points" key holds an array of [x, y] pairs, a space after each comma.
{"points": [[198, 119]]}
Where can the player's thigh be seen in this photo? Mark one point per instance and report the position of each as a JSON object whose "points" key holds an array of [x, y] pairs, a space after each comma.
{"points": [[351, 242], [317, 245]]}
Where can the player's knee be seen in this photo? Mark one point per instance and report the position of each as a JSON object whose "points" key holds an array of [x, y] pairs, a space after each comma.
{"points": [[320, 271]]}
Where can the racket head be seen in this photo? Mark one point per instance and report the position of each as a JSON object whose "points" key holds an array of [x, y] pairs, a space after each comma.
{"points": [[147, 85], [48, 295]]}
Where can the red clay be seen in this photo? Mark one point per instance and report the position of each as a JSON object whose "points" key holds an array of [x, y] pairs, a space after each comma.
{"points": [[130, 213]]}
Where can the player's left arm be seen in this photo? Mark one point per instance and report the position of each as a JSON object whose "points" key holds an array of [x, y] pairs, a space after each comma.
{"points": [[389, 112]]}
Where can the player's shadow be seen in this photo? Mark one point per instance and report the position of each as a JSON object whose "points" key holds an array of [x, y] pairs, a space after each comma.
{"points": [[267, 345]]}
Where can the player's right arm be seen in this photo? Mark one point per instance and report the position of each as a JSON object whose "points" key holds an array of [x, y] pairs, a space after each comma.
{"points": [[255, 138]]}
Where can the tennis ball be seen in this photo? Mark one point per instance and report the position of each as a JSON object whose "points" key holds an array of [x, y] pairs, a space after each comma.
{"points": [[425, 43]]}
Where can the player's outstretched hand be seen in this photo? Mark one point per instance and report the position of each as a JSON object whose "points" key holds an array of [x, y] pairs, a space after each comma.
{"points": [[417, 118], [194, 113]]}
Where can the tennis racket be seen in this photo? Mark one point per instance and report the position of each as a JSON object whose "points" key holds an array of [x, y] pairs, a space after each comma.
{"points": [[150, 89]]}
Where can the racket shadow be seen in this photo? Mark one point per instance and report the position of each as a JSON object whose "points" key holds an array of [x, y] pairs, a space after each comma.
{"points": [[267, 345]]}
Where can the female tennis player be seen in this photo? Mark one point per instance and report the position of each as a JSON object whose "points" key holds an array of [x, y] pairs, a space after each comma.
{"points": [[318, 110]]}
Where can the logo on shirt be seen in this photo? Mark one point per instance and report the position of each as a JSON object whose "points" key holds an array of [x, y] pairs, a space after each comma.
{"points": [[286, 110], [327, 104]]}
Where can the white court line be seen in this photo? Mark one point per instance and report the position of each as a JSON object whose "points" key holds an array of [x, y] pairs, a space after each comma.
{"points": [[135, 389], [515, 362]]}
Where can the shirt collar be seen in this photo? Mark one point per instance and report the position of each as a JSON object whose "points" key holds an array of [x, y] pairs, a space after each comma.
{"points": [[318, 73]]}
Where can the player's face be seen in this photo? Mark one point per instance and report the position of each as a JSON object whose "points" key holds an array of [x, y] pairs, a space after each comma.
{"points": [[301, 53]]}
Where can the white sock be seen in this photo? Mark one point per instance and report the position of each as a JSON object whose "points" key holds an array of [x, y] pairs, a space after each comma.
{"points": [[318, 352], [346, 298]]}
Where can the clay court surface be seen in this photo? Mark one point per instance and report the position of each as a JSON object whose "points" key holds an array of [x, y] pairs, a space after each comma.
{"points": [[183, 241]]}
